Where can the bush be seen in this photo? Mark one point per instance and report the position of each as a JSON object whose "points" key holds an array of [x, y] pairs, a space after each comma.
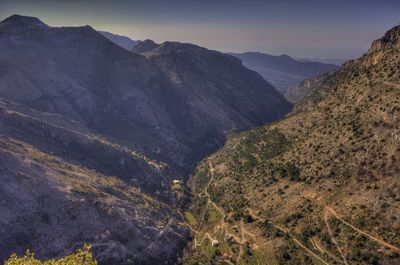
{"points": [[248, 218], [80, 257]]}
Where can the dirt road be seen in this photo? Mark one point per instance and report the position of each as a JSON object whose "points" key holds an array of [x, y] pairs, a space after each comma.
{"points": [[379, 241]]}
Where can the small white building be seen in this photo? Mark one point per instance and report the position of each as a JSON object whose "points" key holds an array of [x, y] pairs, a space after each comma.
{"points": [[215, 243], [177, 181]]}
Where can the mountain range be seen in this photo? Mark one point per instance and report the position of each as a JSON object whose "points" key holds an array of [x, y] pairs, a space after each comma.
{"points": [[283, 71]]}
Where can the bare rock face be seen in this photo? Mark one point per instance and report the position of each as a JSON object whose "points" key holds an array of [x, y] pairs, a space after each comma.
{"points": [[390, 41]]}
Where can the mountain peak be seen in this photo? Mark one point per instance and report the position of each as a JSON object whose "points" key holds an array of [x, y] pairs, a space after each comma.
{"points": [[144, 46], [23, 20], [383, 47], [392, 36]]}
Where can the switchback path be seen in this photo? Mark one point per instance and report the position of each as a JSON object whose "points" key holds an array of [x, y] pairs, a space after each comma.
{"points": [[333, 238], [295, 240], [210, 201], [379, 241]]}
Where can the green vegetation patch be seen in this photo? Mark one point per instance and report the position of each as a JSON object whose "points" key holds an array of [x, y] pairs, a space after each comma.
{"points": [[260, 144], [190, 218]]}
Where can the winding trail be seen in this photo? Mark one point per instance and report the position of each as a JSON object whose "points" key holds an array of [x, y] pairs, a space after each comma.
{"points": [[328, 210], [392, 84], [209, 197], [210, 201], [319, 246], [243, 231], [333, 238], [295, 240], [379, 241]]}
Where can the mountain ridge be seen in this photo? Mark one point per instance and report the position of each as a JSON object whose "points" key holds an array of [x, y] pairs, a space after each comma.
{"points": [[74, 94], [123, 41], [282, 71]]}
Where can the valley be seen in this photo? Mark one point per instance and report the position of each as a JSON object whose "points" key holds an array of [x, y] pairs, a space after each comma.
{"points": [[119, 151]]}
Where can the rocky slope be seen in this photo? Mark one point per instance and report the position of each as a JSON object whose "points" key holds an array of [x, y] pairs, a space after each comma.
{"points": [[62, 186], [155, 106], [282, 71], [319, 187]]}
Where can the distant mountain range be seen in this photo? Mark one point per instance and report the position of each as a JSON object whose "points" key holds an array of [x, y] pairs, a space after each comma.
{"points": [[334, 61], [282, 71], [285, 73], [123, 41], [92, 135]]}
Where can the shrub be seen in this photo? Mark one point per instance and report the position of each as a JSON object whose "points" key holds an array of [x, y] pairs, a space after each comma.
{"points": [[80, 257]]}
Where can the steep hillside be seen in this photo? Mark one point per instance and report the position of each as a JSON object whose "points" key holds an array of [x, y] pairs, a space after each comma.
{"points": [[218, 83], [61, 186], [282, 71], [320, 186], [130, 99], [65, 138], [123, 41]]}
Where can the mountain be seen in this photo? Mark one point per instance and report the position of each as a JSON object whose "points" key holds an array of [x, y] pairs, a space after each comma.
{"points": [[92, 135], [335, 61], [132, 99], [321, 186], [144, 46], [128, 97], [282, 71], [123, 41]]}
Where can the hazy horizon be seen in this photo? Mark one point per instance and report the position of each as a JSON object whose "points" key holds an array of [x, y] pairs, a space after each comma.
{"points": [[318, 29]]}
